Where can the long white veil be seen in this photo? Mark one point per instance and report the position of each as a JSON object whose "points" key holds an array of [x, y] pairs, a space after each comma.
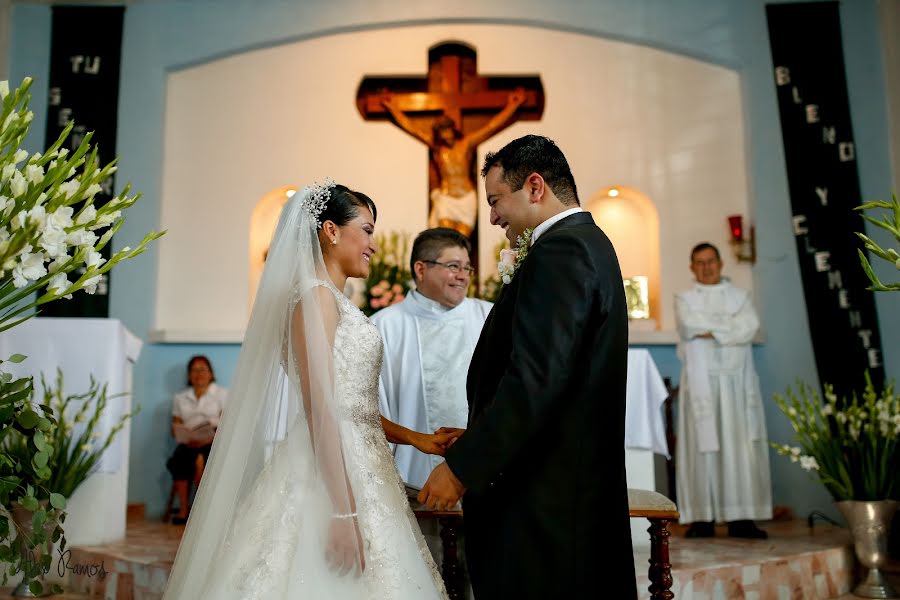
{"points": [[281, 406]]}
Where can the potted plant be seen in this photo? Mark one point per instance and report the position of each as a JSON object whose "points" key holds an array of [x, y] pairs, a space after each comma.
{"points": [[50, 230], [852, 447]]}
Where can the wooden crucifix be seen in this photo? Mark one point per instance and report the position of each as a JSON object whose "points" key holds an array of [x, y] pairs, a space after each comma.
{"points": [[452, 111]]}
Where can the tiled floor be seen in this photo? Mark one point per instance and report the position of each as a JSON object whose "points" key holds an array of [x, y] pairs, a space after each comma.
{"points": [[793, 564]]}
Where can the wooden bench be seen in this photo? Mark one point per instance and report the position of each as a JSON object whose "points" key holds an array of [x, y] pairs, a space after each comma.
{"points": [[660, 511]]}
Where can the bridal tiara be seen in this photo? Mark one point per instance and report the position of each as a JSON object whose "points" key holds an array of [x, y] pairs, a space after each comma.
{"points": [[318, 196]]}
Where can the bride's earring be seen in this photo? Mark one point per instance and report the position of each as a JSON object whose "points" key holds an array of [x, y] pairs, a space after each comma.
{"points": [[333, 241]]}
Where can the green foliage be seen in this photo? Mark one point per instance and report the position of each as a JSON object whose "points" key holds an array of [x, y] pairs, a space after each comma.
{"points": [[891, 224]]}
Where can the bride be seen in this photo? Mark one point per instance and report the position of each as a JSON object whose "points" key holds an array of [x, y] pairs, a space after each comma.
{"points": [[301, 498]]}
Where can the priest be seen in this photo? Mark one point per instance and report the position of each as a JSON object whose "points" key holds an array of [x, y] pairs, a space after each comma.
{"points": [[722, 453], [428, 343]]}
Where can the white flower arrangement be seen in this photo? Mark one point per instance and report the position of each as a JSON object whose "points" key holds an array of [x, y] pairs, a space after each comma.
{"points": [[852, 445], [43, 240]]}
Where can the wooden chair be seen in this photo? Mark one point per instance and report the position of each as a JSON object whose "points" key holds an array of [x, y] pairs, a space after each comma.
{"points": [[660, 511], [198, 473]]}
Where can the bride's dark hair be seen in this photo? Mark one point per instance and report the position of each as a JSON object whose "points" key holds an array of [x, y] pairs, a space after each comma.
{"points": [[343, 206]]}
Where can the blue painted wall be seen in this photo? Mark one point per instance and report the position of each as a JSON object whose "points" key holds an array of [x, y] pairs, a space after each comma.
{"points": [[166, 35]]}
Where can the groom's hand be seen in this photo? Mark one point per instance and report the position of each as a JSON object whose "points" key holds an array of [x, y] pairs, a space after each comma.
{"points": [[454, 433], [442, 490]]}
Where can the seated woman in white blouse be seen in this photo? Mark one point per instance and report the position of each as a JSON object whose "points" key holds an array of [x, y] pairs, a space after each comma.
{"points": [[195, 415]]}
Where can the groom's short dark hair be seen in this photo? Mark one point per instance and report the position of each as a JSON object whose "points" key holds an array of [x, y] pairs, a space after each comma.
{"points": [[430, 243], [534, 154]]}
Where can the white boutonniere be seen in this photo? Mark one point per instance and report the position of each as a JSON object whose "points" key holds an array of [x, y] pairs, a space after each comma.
{"points": [[510, 260]]}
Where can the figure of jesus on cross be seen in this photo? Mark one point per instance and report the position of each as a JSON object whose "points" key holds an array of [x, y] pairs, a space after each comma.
{"points": [[452, 110], [454, 202]]}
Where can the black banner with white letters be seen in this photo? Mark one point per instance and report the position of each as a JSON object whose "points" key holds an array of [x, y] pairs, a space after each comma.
{"points": [[85, 52], [824, 188]]}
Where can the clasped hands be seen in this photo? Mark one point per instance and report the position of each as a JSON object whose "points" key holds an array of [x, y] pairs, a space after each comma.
{"points": [[443, 490]]}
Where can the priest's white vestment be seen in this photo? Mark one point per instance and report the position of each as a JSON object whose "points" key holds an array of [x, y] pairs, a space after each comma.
{"points": [[722, 448], [427, 350]]}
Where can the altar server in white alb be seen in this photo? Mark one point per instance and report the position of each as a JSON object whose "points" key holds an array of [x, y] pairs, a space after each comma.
{"points": [[429, 339], [722, 449]]}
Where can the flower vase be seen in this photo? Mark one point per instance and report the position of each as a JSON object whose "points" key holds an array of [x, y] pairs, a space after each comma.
{"points": [[870, 525], [23, 520]]}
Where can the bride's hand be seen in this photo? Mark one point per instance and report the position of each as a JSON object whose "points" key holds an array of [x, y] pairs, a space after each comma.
{"points": [[433, 443], [344, 553]]}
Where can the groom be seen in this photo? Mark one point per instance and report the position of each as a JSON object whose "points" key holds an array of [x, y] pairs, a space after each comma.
{"points": [[542, 463]]}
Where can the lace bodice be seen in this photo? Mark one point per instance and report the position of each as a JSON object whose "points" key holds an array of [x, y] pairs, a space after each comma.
{"points": [[358, 352]]}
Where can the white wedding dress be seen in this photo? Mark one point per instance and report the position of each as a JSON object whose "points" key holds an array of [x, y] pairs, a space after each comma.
{"points": [[300, 477], [273, 553]]}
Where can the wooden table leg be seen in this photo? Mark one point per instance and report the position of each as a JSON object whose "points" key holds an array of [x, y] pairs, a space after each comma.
{"points": [[450, 569], [660, 569]]}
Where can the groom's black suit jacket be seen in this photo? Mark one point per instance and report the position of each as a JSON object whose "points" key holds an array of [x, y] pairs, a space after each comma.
{"points": [[543, 458]]}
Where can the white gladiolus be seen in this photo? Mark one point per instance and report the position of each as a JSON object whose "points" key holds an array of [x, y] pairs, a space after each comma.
{"points": [[19, 220], [93, 259], [69, 188], [61, 218], [34, 173], [58, 283], [59, 263], [809, 463], [108, 218], [53, 241], [30, 268], [828, 409], [81, 237], [38, 215], [90, 285], [4, 89], [18, 184], [93, 189], [87, 215], [8, 171], [20, 156]]}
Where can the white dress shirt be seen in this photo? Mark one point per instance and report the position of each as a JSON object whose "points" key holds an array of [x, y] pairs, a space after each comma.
{"points": [[549, 222], [195, 412]]}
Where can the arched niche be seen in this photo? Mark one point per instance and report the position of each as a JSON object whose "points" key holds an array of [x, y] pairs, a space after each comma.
{"points": [[262, 226], [630, 220]]}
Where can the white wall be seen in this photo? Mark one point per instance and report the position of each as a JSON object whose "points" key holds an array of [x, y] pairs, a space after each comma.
{"points": [[237, 127]]}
